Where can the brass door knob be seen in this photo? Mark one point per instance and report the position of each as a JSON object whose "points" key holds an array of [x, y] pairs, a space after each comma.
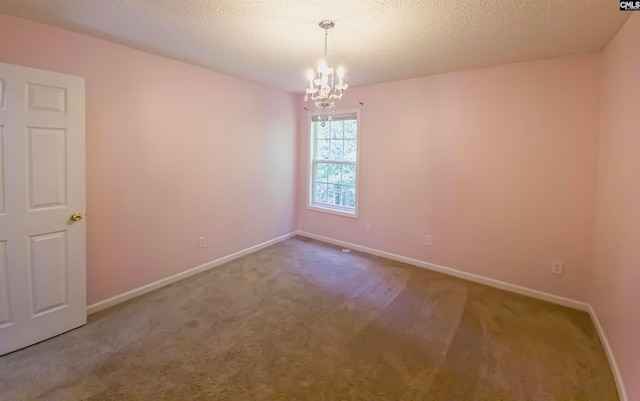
{"points": [[76, 217]]}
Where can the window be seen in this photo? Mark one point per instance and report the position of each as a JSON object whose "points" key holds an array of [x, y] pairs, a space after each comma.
{"points": [[333, 172]]}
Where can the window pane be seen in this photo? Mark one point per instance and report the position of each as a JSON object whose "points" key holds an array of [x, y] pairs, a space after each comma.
{"points": [[336, 149], [337, 129], [321, 172], [350, 149], [323, 132], [351, 129], [333, 194], [320, 193], [348, 174], [323, 149], [334, 173], [348, 197]]}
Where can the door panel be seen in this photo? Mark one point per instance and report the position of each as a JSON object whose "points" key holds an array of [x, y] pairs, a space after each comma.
{"points": [[46, 98], [2, 170], [5, 308], [42, 182], [47, 168], [48, 272]]}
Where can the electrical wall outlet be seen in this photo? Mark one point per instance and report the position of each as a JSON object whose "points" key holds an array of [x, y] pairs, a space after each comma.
{"points": [[369, 228], [427, 240], [557, 267], [202, 242]]}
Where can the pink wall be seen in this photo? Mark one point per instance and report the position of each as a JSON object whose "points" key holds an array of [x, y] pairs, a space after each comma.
{"points": [[497, 164], [617, 246], [173, 152]]}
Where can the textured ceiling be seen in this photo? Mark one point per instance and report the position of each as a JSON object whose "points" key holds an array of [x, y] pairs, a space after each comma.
{"points": [[276, 41]]}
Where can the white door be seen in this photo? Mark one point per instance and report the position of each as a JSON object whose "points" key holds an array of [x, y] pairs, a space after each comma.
{"points": [[42, 184]]}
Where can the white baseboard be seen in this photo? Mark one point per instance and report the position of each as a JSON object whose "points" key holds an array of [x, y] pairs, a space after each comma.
{"points": [[125, 296], [503, 285], [610, 356]]}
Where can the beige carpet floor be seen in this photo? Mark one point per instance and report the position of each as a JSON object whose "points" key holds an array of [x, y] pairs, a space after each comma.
{"points": [[303, 321]]}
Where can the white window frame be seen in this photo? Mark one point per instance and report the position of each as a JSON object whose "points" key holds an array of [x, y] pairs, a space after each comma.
{"points": [[321, 207]]}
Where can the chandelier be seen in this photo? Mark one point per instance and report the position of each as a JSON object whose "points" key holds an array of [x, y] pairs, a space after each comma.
{"points": [[322, 88]]}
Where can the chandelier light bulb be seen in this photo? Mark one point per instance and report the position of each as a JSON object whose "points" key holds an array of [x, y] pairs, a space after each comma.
{"points": [[340, 86], [322, 66]]}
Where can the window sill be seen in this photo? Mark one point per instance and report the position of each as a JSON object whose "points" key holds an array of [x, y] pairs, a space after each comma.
{"points": [[330, 210]]}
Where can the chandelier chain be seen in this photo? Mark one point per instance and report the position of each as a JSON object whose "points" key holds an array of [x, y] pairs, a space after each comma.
{"points": [[326, 33]]}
